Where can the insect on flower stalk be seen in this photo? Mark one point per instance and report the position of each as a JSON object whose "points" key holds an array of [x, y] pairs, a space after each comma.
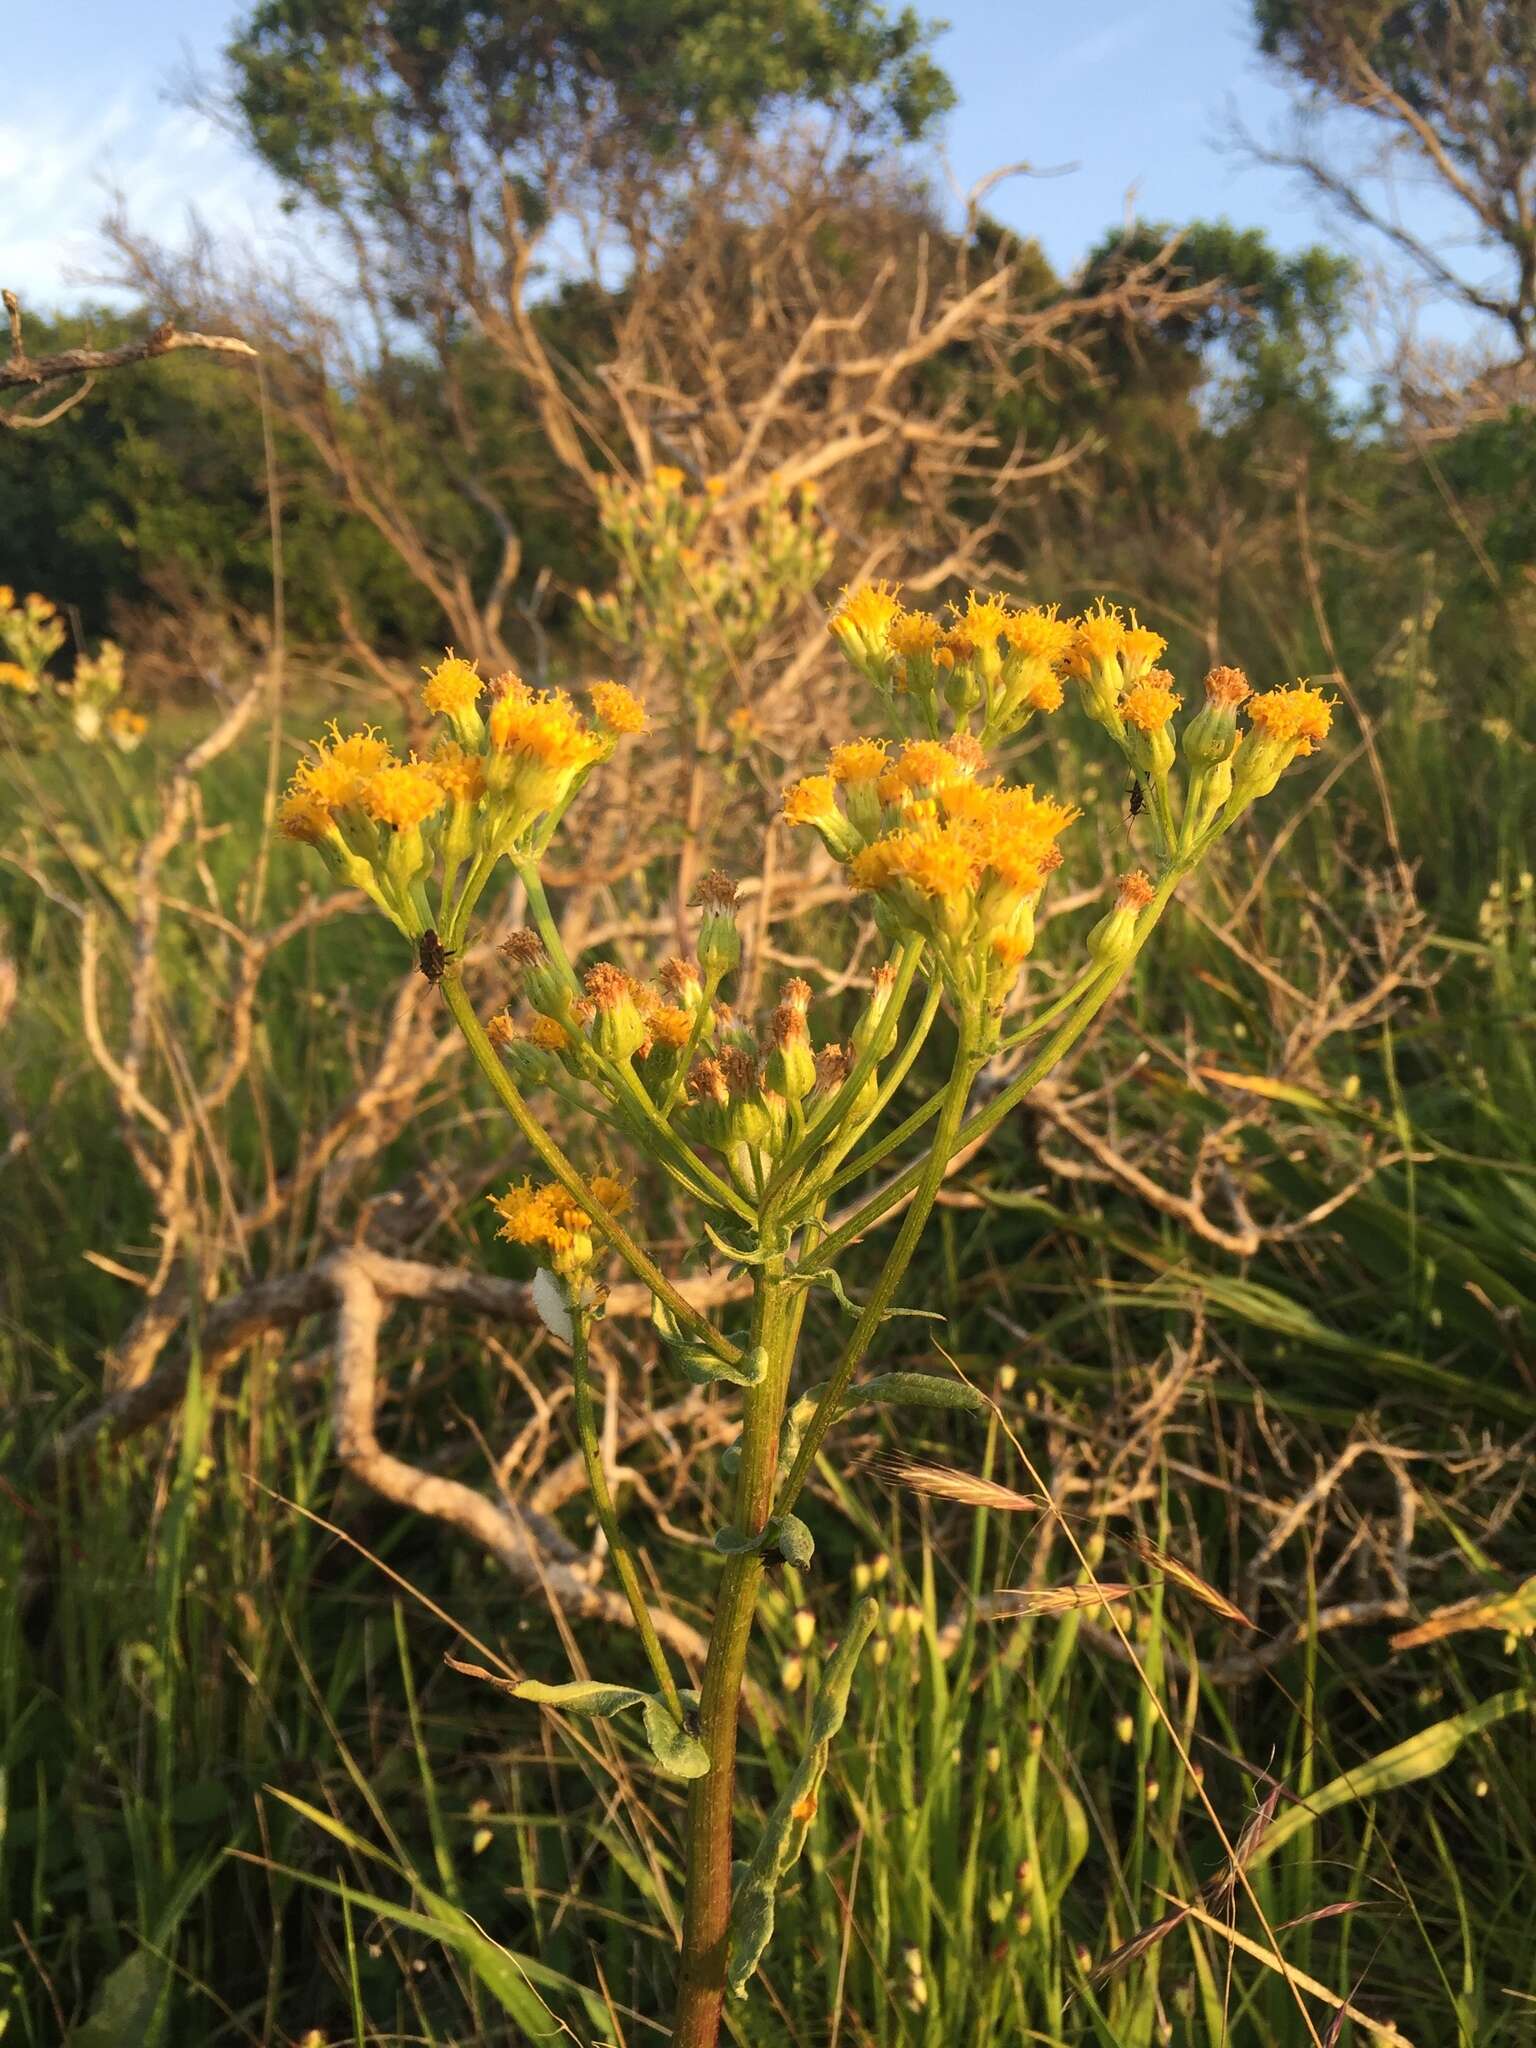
{"points": [[757, 1131]]}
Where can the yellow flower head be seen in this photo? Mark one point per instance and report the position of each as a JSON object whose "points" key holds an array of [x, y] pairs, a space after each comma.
{"points": [[15, 677], [617, 708], [545, 727], [1099, 637], [1227, 686], [670, 1025], [302, 816], [931, 765], [1140, 647], [545, 1217], [985, 619], [668, 478], [1039, 632], [402, 795], [865, 615], [1036, 683], [913, 633], [7, 597], [452, 686], [459, 774], [858, 761], [715, 486], [548, 1034], [812, 798], [342, 767], [940, 863], [1298, 717], [38, 606], [878, 865], [1135, 891], [1151, 703]]}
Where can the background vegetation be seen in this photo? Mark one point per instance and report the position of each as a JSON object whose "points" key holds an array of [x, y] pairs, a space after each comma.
{"points": [[243, 1796]]}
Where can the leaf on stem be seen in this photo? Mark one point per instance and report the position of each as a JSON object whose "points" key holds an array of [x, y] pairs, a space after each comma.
{"points": [[784, 1835]]}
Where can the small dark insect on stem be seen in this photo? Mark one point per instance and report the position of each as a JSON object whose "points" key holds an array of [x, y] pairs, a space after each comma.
{"points": [[432, 956], [1135, 800]]}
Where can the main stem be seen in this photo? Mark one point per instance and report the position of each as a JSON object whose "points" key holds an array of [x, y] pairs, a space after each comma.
{"points": [[707, 1897]]}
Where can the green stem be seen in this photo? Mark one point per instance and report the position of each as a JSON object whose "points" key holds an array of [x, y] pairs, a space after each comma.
{"points": [[930, 1179], [618, 1549], [674, 1152], [707, 1839], [986, 1120], [638, 1260], [830, 1118], [701, 1017], [544, 921]]}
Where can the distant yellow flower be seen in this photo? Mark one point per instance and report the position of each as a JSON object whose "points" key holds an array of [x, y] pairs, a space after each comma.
{"points": [[452, 686], [402, 795], [7, 597], [38, 606], [15, 677], [666, 478], [715, 486], [617, 708]]}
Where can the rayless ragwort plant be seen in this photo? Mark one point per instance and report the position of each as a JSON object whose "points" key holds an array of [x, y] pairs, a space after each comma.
{"points": [[760, 1135]]}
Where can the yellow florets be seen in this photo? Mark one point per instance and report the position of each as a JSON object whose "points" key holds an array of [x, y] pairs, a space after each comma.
{"points": [[545, 1217], [669, 478], [1038, 631], [546, 726], [858, 761], [985, 619], [301, 815], [939, 863], [813, 797], [1099, 637], [1036, 683], [868, 612], [930, 764], [402, 795], [1140, 647], [458, 773], [452, 686], [342, 767], [913, 633], [15, 677], [1298, 717], [618, 708], [548, 1034], [1151, 703]]}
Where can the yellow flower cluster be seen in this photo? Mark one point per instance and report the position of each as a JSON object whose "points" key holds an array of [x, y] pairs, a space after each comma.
{"points": [[990, 660], [546, 1219], [495, 782], [962, 861]]}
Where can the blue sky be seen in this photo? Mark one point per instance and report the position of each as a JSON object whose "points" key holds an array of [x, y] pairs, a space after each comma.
{"points": [[1137, 94]]}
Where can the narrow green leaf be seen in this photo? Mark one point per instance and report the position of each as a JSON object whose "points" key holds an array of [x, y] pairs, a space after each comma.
{"points": [[579, 1695]]}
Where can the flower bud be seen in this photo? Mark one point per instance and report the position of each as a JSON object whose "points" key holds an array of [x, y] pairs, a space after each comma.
{"points": [[618, 1028], [805, 1627], [719, 945], [1113, 938], [790, 1069], [1210, 738]]}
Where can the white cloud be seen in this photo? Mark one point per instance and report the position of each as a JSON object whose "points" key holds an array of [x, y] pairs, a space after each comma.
{"points": [[62, 174]]}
